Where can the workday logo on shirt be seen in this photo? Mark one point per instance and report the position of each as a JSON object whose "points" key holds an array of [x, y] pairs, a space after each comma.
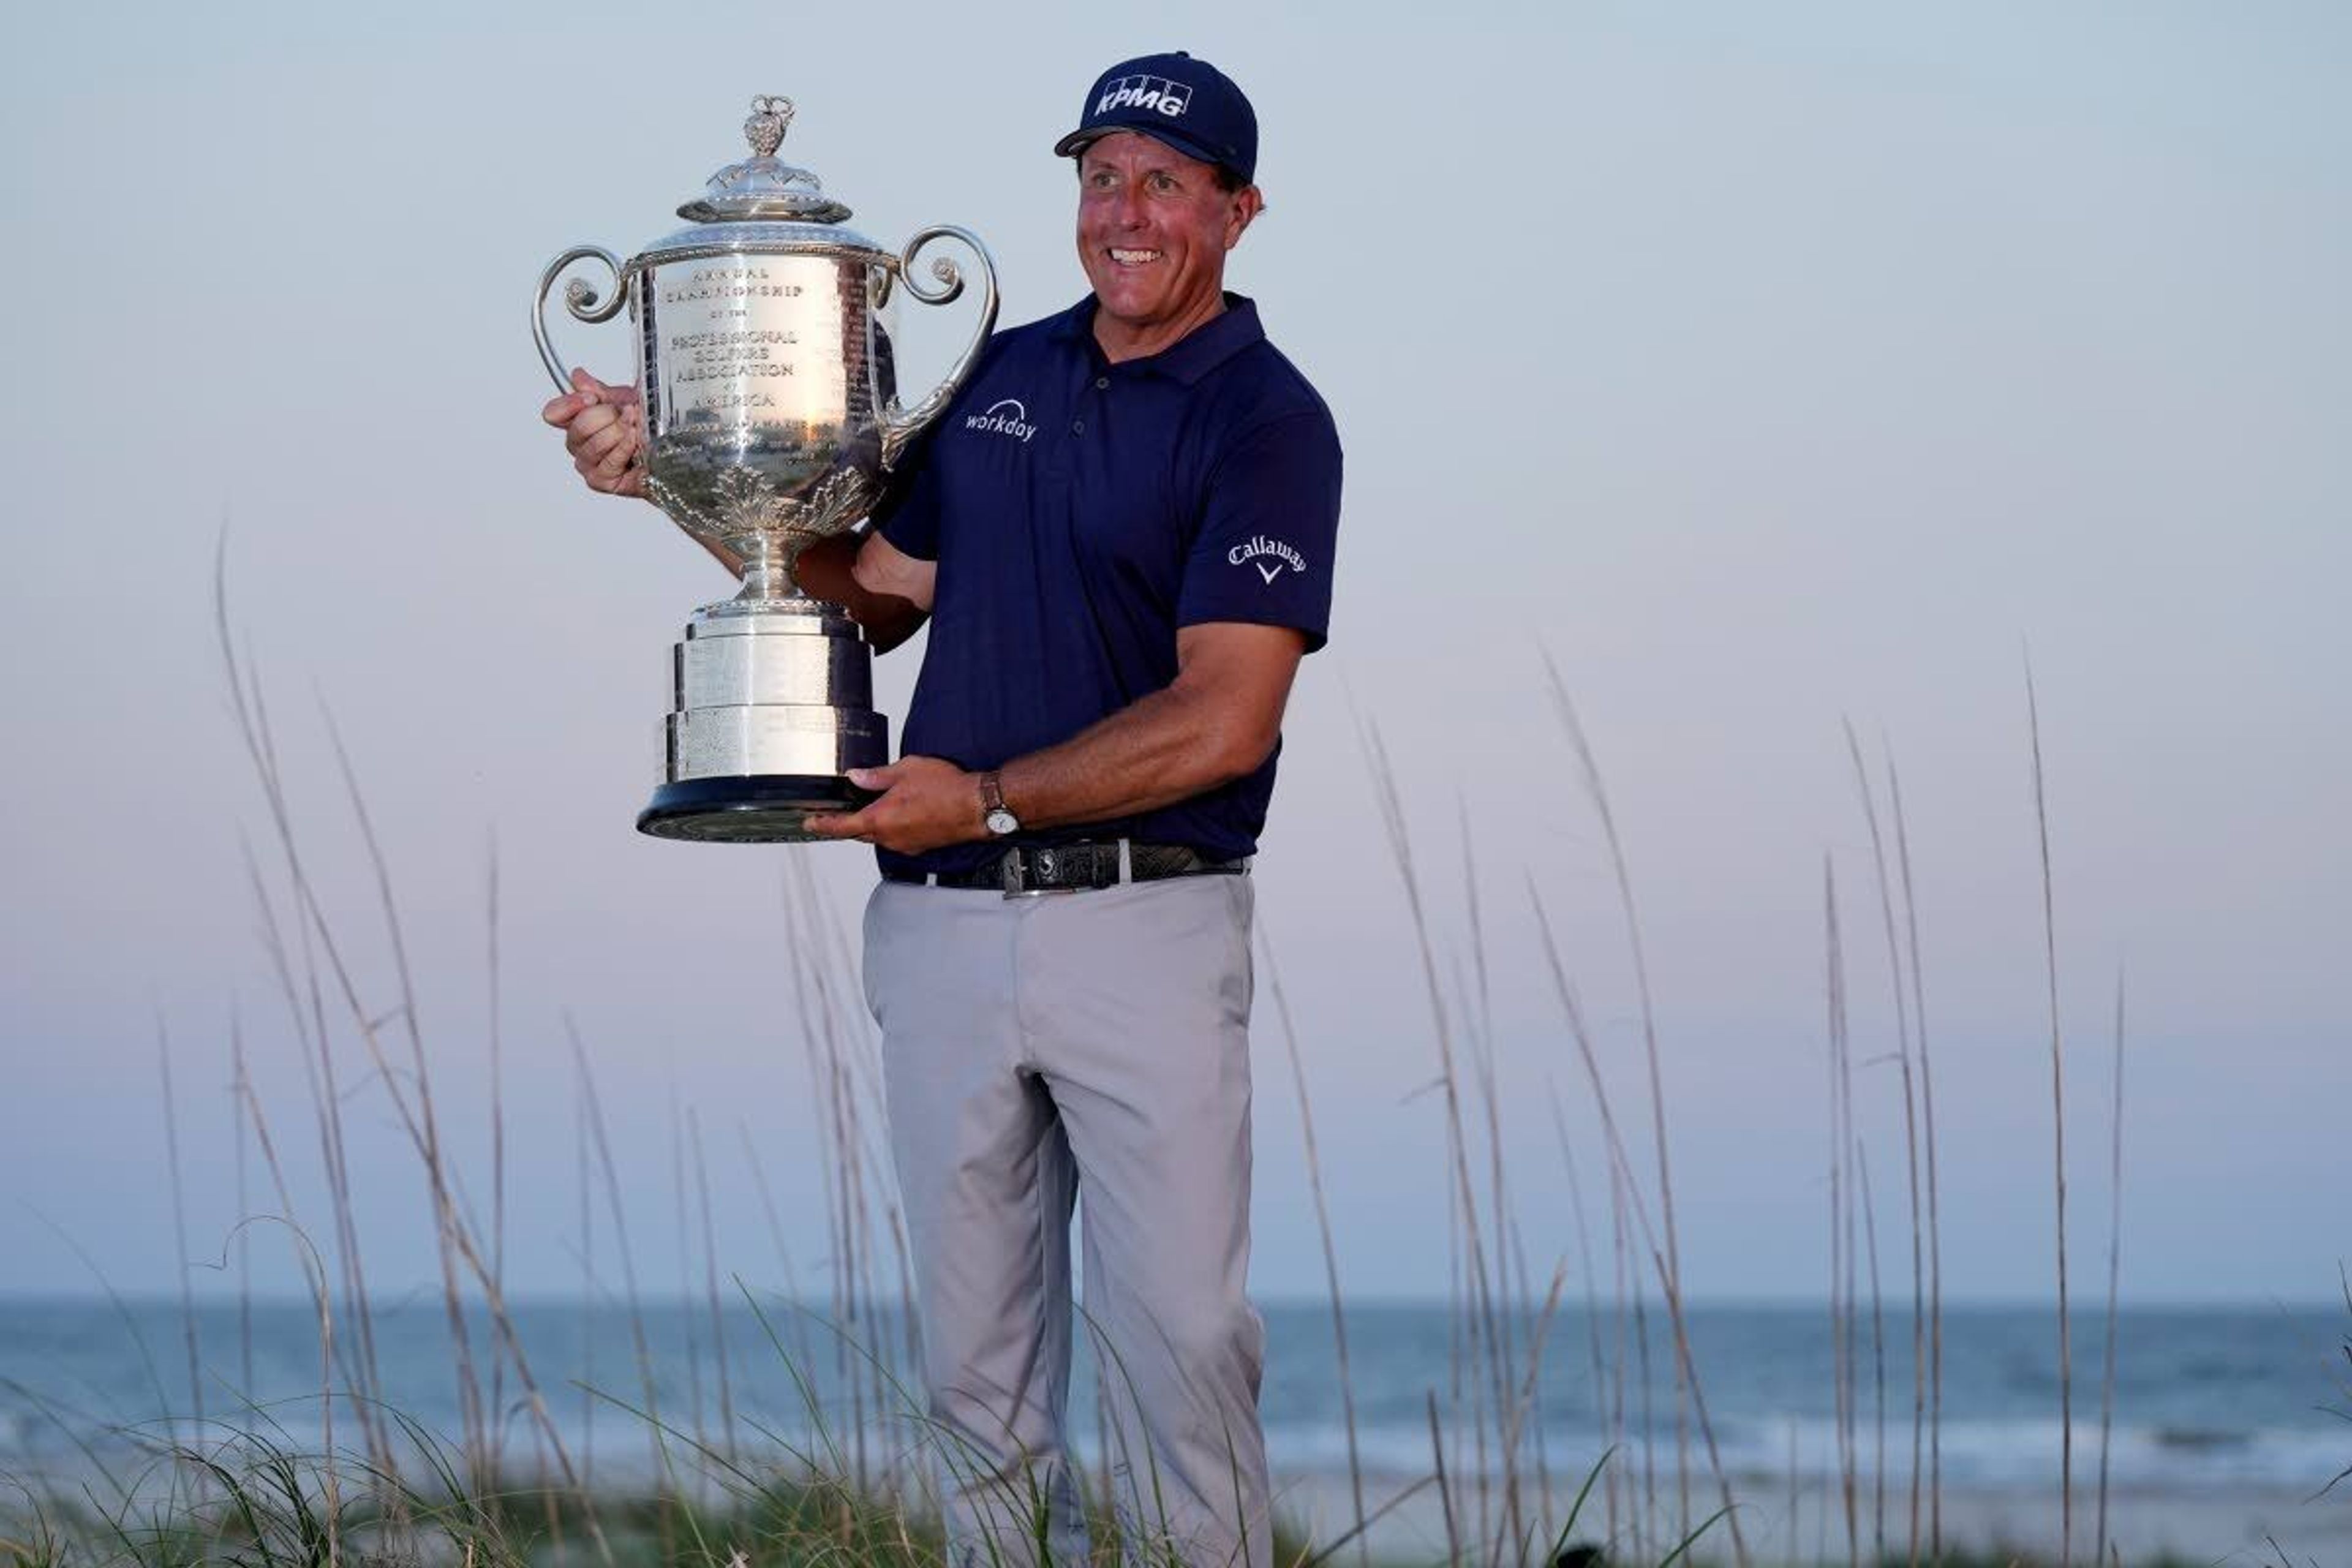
{"points": [[1260, 550], [1006, 417]]}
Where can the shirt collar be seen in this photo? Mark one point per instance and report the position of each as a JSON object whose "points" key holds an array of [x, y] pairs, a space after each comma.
{"points": [[1190, 357]]}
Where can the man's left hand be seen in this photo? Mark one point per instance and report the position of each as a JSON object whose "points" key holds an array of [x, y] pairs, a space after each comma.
{"points": [[927, 803]]}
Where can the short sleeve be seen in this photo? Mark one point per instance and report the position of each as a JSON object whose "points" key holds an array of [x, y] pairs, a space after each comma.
{"points": [[1272, 519], [908, 516]]}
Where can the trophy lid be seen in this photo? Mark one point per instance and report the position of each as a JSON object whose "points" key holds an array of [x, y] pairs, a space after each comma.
{"points": [[763, 187], [761, 205]]}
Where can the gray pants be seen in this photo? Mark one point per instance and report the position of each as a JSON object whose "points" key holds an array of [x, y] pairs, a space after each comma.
{"points": [[1031, 1048]]}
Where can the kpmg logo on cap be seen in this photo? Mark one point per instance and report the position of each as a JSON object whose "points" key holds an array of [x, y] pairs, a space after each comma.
{"points": [[1169, 98]]}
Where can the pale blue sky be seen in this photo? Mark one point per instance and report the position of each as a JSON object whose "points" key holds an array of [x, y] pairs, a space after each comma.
{"points": [[1769, 365]]}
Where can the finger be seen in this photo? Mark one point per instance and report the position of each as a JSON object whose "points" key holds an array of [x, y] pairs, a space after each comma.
{"points": [[837, 824], [615, 464], [584, 431], [875, 779], [562, 411], [604, 391], [600, 445], [616, 448], [591, 419], [610, 479]]}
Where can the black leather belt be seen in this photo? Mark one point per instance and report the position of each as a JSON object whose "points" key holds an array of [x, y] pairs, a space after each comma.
{"points": [[1072, 868]]}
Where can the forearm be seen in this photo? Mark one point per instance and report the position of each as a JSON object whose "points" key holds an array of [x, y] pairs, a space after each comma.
{"points": [[1168, 746], [827, 570], [1216, 722]]}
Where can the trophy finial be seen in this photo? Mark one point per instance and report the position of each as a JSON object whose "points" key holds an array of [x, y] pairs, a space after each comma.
{"points": [[765, 128]]}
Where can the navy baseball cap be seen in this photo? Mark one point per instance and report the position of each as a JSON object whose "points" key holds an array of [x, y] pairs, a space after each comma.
{"points": [[1190, 104]]}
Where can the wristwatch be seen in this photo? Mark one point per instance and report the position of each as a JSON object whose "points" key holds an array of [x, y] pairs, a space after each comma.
{"points": [[999, 817]]}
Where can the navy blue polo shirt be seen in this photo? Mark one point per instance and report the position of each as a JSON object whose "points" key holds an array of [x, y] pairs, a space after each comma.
{"points": [[1080, 512]]}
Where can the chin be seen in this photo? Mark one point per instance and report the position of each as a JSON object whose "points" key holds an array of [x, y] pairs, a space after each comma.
{"points": [[1125, 306], [1132, 305]]}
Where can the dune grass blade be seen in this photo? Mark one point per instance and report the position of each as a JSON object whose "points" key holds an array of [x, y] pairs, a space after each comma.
{"points": [[1691, 1540], [710, 1284], [1910, 1139], [1444, 1493], [180, 1226], [2114, 1277], [423, 1121], [1841, 1204], [1687, 1386], [1592, 1299], [1927, 1132], [1877, 1359], [2058, 1134], [682, 1235], [1621, 1171], [1323, 1228], [1597, 792], [1478, 1315], [494, 970]]}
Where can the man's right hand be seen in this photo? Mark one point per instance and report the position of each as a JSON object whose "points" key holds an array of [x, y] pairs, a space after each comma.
{"points": [[603, 433]]}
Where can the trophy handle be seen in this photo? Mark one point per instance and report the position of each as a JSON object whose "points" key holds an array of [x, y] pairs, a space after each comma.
{"points": [[581, 299], [902, 425]]}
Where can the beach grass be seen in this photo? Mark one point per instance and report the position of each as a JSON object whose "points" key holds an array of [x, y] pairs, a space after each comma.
{"points": [[226, 1486]]}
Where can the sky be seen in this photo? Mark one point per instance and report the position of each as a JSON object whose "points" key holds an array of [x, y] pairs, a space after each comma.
{"points": [[1766, 370]]}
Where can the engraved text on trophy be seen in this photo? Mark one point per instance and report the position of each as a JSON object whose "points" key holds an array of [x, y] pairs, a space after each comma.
{"points": [[761, 401]]}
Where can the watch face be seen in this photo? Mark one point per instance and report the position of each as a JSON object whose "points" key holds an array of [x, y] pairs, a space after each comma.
{"points": [[1001, 822]]}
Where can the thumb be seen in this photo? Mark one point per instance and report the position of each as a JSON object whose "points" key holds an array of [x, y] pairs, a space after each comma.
{"points": [[874, 778]]}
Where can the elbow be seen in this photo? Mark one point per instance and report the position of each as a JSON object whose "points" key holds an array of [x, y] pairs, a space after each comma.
{"points": [[1235, 750], [1227, 734], [866, 575], [882, 607]]}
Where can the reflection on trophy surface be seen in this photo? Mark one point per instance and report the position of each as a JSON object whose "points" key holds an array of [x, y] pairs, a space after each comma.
{"points": [[771, 420]]}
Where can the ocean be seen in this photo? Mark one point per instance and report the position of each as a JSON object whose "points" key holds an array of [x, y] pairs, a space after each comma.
{"points": [[2226, 1419]]}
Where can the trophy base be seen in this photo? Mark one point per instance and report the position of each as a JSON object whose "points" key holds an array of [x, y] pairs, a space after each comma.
{"points": [[773, 706], [748, 808]]}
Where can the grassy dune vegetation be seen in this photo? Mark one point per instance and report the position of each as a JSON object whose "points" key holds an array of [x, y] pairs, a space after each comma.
{"points": [[230, 1486]]}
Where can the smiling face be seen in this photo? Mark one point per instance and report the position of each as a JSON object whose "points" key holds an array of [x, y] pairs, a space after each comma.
{"points": [[1153, 230]]}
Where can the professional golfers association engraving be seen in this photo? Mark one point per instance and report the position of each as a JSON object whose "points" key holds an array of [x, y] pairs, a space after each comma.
{"points": [[770, 420]]}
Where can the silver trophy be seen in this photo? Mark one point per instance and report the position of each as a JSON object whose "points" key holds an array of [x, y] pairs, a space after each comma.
{"points": [[771, 420]]}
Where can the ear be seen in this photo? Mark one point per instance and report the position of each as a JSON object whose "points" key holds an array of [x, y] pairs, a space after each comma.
{"points": [[1247, 202]]}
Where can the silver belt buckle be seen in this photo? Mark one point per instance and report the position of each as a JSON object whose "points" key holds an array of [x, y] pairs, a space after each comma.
{"points": [[1015, 888]]}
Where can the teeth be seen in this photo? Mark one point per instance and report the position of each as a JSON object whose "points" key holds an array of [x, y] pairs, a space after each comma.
{"points": [[1133, 258]]}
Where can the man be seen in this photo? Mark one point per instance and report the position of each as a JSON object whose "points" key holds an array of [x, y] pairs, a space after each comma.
{"points": [[1122, 533]]}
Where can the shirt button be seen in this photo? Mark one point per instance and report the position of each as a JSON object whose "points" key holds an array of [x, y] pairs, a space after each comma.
{"points": [[1077, 426], [1101, 382]]}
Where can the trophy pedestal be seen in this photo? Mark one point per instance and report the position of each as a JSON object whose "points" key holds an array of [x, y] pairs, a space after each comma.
{"points": [[772, 703]]}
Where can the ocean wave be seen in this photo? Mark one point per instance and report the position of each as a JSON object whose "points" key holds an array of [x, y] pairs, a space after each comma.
{"points": [[1990, 1455]]}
